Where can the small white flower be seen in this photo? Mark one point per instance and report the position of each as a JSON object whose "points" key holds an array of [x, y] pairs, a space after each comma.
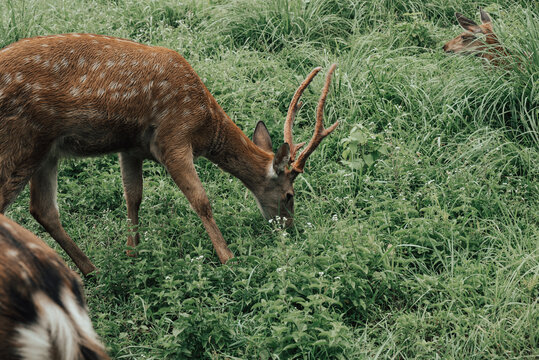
{"points": [[334, 217], [270, 221], [309, 225], [280, 270], [320, 273], [167, 277], [337, 278]]}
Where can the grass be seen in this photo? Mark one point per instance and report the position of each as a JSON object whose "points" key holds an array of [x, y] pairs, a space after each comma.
{"points": [[420, 242]]}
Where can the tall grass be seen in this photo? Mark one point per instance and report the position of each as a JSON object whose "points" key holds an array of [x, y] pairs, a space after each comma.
{"points": [[429, 251]]}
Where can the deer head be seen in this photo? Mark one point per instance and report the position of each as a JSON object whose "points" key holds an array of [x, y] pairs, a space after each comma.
{"points": [[479, 40], [275, 196]]}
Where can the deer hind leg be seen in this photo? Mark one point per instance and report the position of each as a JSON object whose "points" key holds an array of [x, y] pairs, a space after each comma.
{"points": [[180, 166], [132, 179], [44, 209]]}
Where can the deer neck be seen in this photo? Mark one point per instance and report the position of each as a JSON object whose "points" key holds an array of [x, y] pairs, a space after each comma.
{"points": [[235, 153]]}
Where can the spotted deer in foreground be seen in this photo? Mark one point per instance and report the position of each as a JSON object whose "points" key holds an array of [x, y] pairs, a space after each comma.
{"points": [[87, 95], [43, 314], [478, 40]]}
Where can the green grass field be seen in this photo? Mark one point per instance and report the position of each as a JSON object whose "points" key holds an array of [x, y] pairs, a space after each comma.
{"points": [[417, 221]]}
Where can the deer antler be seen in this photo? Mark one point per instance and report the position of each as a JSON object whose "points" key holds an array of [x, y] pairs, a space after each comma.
{"points": [[291, 115], [319, 131]]}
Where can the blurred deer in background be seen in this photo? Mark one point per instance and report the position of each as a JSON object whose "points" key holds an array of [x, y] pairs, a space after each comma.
{"points": [[87, 95], [478, 40], [43, 314]]}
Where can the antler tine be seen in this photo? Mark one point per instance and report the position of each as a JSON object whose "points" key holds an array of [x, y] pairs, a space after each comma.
{"points": [[319, 131], [291, 115]]}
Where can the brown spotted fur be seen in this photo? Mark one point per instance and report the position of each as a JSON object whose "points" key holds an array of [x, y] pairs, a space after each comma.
{"points": [[28, 266], [86, 95]]}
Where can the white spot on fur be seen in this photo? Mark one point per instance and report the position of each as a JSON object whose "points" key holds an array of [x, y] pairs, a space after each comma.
{"points": [[134, 62], [37, 58], [64, 63], [95, 66], [81, 62], [114, 85], [100, 92], [18, 77], [12, 253], [56, 67], [107, 46], [75, 91], [75, 35], [186, 112], [164, 85], [186, 99], [146, 88], [45, 45], [130, 94], [7, 226], [110, 63], [33, 246], [46, 64], [83, 78]]}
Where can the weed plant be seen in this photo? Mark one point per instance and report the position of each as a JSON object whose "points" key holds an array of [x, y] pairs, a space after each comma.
{"points": [[416, 232]]}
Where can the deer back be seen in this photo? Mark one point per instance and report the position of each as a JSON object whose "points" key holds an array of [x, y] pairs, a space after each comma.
{"points": [[89, 94]]}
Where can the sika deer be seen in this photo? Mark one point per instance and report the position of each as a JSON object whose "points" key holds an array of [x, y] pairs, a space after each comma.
{"points": [[42, 311], [86, 95], [478, 40]]}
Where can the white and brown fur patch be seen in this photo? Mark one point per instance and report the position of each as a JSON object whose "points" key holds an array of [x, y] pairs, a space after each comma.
{"points": [[43, 314]]}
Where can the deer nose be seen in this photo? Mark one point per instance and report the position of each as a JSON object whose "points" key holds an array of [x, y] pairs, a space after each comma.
{"points": [[446, 48]]}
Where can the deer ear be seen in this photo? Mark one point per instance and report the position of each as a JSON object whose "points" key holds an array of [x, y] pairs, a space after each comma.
{"points": [[485, 18], [281, 158], [261, 137], [466, 23]]}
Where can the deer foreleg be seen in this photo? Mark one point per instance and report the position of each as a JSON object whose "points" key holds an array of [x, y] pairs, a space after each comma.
{"points": [[181, 168]]}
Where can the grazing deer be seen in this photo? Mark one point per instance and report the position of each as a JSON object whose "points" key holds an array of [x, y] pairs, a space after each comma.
{"points": [[86, 95], [478, 40], [43, 314]]}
